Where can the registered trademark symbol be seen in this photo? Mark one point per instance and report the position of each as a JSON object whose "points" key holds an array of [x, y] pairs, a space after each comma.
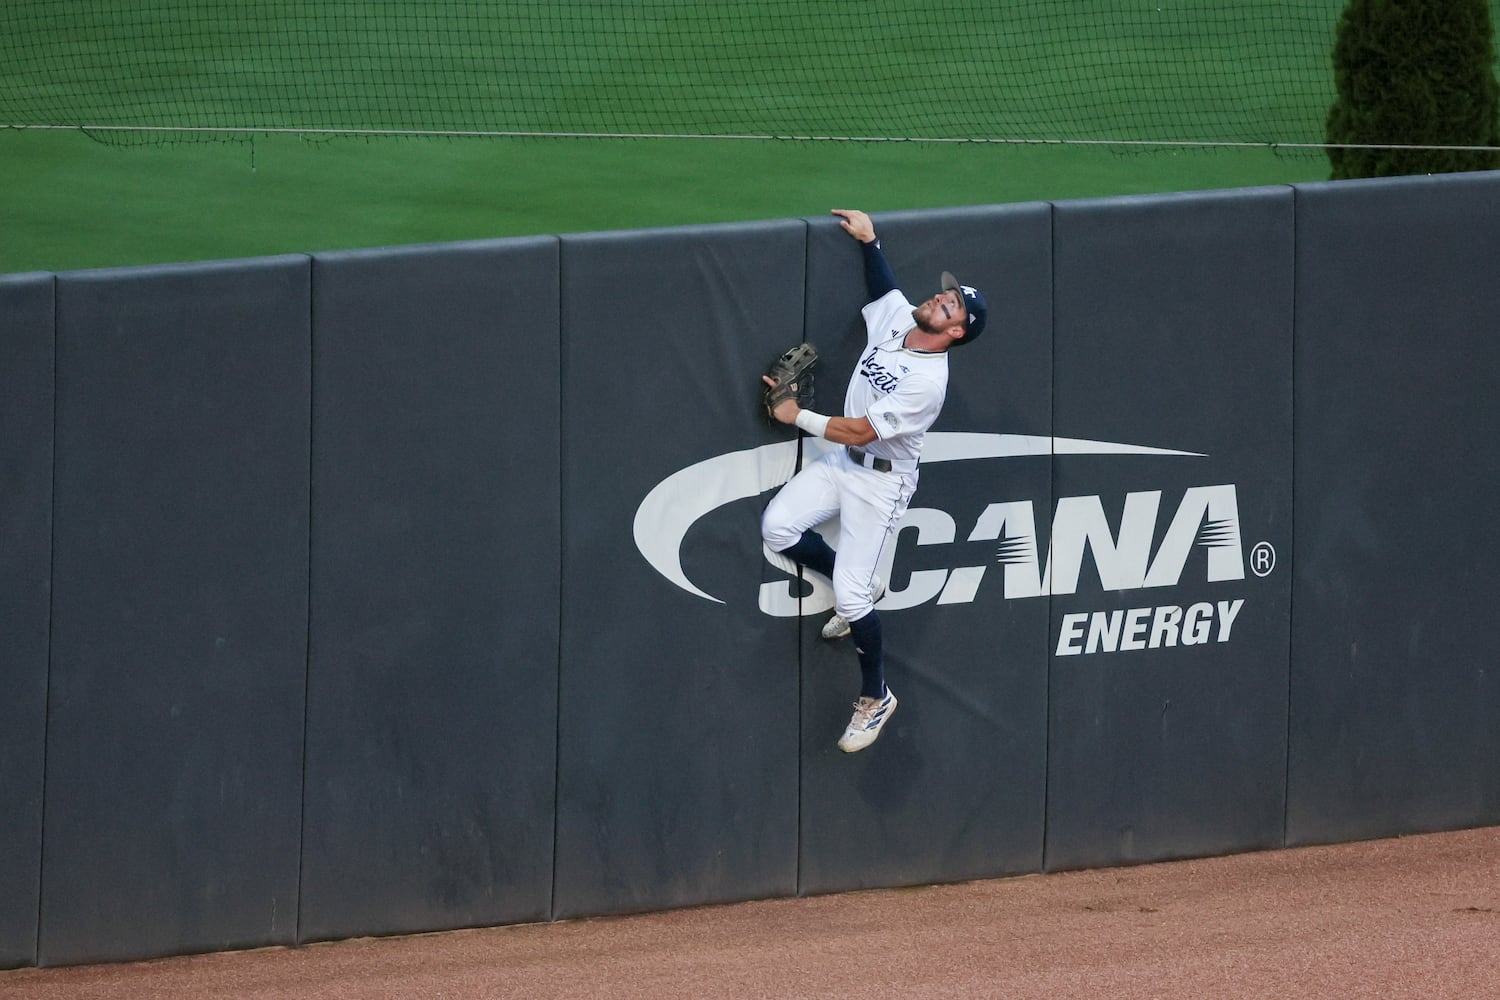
{"points": [[1262, 559]]}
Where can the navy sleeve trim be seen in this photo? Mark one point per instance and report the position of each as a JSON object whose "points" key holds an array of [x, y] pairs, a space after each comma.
{"points": [[878, 277]]}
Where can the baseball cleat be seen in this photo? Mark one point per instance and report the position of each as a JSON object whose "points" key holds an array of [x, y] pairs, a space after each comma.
{"points": [[838, 626], [870, 715]]}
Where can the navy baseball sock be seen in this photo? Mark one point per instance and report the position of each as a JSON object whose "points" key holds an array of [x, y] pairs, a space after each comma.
{"points": [[811, 551], [867, 643]]}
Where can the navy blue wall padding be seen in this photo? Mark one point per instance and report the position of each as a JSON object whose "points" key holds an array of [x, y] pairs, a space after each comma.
{"points": [[174, 744], [432, 689], [407, 589], [1173, 330], [678, 708], [26, 541], [1395, 720], [954, 788]]}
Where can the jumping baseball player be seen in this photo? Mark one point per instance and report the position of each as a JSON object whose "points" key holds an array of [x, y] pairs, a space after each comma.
{"points": [[895, 394]]}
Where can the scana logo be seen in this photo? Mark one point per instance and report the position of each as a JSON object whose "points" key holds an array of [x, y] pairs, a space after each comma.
{"points": [[1205, 517]]}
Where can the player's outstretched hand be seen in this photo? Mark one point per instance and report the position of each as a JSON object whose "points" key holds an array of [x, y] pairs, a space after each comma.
{"points": [[856, 224]]}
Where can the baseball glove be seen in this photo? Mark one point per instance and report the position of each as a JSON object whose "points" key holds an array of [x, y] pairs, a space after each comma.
{"points": [[793, 375]]}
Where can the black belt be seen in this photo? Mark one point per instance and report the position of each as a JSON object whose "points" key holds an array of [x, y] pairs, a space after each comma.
{"points": [[868, 461]]}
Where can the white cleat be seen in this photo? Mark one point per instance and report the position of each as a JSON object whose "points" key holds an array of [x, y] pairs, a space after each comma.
{"points": [[838, 626], [870, 715]]}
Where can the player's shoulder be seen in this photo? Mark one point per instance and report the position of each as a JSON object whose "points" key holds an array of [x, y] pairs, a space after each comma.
{"points": [[890, 310]]}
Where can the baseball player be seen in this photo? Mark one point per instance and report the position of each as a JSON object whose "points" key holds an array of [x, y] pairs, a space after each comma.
{"points": [[895, 394]]}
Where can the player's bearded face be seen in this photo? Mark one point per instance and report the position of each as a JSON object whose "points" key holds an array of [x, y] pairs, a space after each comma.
{"points": [[939, 312]]}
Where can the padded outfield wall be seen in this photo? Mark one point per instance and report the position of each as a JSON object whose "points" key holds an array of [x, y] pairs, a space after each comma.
{"points": [[361, 593]]}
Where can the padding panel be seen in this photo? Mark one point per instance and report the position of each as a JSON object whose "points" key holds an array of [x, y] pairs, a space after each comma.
{"points": [[1395, 715], [26, 348], [174, 747], [1169, 611], [678, 705], [432, 722], [955, 786]]}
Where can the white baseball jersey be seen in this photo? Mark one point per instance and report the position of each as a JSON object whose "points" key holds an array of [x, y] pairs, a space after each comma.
{"points": [[900, 390]]}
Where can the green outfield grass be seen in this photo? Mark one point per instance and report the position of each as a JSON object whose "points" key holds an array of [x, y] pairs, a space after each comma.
{"points": [[1253, 70], [69, 203], [1199, 69]]}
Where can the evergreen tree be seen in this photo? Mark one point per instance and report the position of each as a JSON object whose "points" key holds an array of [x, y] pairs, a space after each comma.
{"points": [[1414, 72]]}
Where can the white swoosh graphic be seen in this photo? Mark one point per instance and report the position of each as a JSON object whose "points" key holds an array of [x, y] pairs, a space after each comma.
{"points": [[677, 502]]}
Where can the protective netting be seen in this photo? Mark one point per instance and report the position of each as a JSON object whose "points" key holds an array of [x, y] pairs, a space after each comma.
{"points": [[1193, 71]]}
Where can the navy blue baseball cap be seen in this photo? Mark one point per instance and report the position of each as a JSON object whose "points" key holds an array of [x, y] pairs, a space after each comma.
{"points": [[974, 305]]}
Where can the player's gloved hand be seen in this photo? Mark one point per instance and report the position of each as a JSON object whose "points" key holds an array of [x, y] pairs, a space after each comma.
{"points": [[789, 383]]}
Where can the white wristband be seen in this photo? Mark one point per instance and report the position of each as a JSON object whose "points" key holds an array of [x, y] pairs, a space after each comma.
{"points": [[814, 423]]}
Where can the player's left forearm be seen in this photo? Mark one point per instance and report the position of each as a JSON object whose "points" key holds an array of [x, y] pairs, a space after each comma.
{"points": [[857, 431], [850, 430]]}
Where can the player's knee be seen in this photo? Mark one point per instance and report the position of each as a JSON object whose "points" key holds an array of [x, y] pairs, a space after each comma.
{"points": [[853, 599], [853, 608], [777, 535]]}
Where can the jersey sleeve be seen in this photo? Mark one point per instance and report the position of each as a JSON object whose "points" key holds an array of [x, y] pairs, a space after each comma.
{"points": [[910, 408], [886, 316], [878, 276]]}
